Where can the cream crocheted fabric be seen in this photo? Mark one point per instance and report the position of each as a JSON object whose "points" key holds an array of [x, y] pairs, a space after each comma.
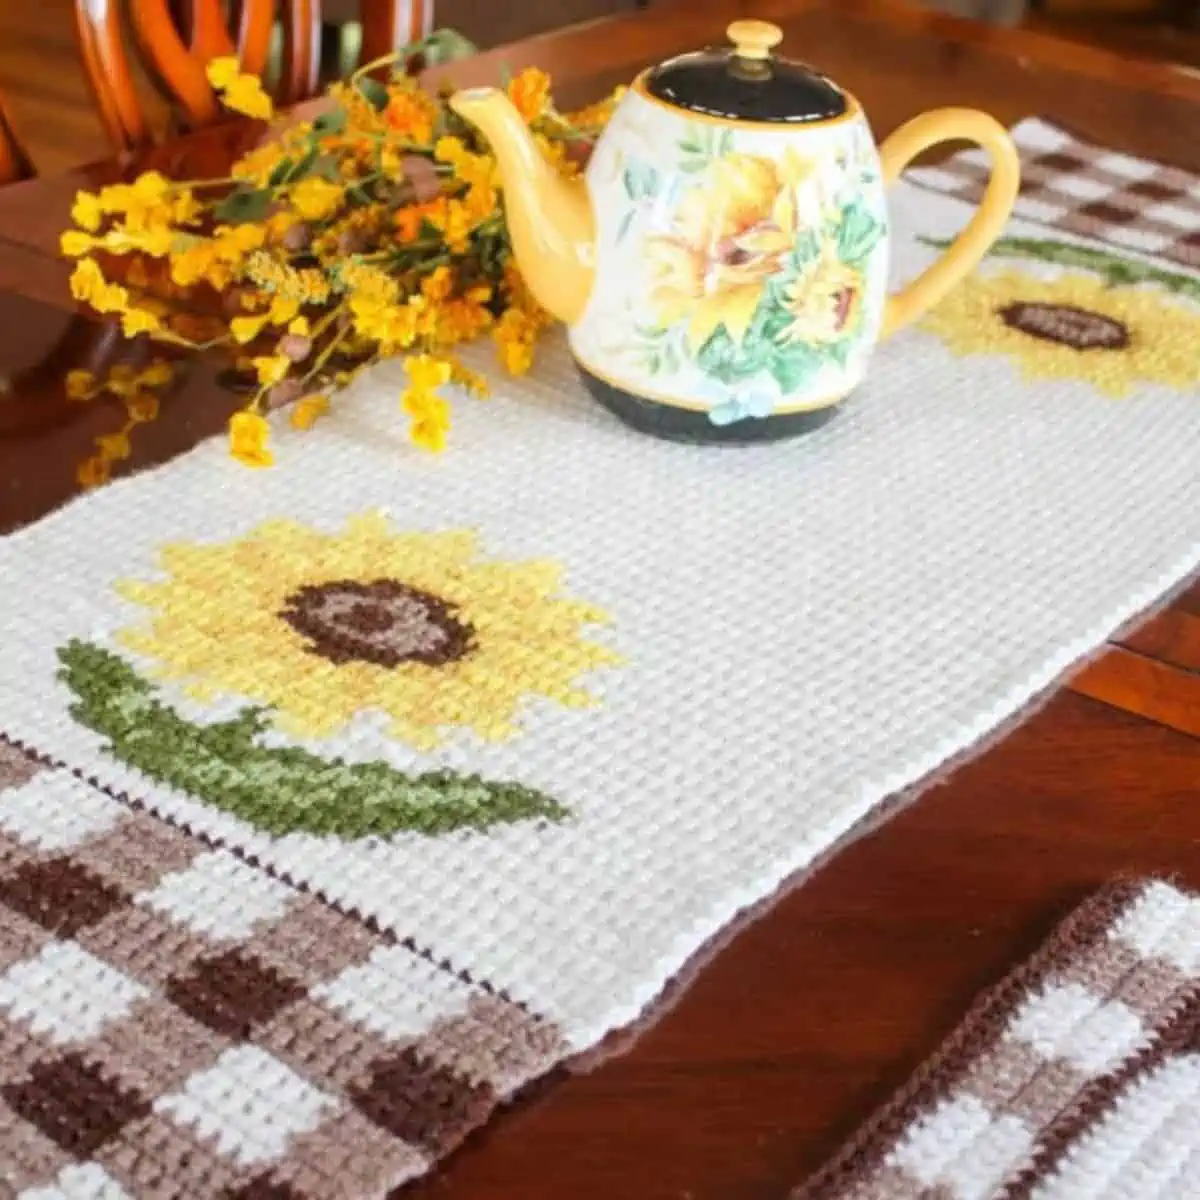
{"points": [[345, 797]]}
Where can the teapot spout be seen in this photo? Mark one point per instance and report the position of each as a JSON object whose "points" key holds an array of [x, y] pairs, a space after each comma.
{"points": [[550, 219]]}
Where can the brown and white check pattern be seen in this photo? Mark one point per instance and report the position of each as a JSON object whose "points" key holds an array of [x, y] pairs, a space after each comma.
{"points": [[1075, 187], [174, 1022], [1078, 1078]]}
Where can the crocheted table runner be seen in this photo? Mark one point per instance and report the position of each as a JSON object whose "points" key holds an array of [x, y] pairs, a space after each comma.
{"points": [[1077, 187], [343, 798], [1077, 1078]]}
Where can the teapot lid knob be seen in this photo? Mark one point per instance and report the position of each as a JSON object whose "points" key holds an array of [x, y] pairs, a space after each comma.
{"points": [[746, 80], [754, 39]]}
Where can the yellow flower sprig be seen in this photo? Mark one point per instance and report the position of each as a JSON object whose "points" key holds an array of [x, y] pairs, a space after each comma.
{"points": [[430, 413], [239, 92], [374, 230]]}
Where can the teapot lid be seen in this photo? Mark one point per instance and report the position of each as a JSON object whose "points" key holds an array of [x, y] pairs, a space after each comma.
{"points": [[746, 82]]}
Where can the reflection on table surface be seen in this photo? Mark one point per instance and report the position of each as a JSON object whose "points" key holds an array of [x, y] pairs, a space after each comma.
{"points": [[48, 438]]}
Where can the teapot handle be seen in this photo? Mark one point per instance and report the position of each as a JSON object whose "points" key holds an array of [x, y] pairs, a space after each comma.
{"points": [[897, 151]]}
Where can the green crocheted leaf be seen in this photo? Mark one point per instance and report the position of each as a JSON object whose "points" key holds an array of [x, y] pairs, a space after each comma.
{"points": [[277, 789], [1115, 268]]}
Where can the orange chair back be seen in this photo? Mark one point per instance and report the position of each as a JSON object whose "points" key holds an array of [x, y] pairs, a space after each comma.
{"points": [[176, 52], [387, 24]]}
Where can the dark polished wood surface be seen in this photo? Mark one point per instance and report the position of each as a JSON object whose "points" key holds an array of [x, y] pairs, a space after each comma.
{"points": [[817, 1009]]}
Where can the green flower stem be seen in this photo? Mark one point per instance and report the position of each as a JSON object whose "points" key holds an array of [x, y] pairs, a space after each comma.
{"points": [[395, 252], [279, 790], [384, 60], [327, 319], [322, 358], [570, 132], [174, 339], [386, 137], [178, 185]]}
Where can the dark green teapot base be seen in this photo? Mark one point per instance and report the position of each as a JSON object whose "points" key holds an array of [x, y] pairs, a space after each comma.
{"points": [[693, 425]]}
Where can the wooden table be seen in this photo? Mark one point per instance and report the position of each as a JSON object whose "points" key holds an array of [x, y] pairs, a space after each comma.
{"points": [[815, 1011]]}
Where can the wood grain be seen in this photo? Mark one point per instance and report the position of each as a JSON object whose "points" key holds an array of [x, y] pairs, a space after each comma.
{"points": [[1143, 685], [815, 1011], [42, 74], [15, 163], [1152, 34], [1173, 636]]}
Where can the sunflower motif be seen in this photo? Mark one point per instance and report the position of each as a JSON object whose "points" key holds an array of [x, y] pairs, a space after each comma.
{"points": [[320, 627], [824, 302], [727, 239], [1075, 326]]}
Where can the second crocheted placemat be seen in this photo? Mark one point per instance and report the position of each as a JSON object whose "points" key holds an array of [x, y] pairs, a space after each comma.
{"points": [[1077, 1078]]}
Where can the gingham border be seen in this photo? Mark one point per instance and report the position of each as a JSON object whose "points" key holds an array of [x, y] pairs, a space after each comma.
{"points": [[174, 1021], [1077, 187], [1040, 1060]]}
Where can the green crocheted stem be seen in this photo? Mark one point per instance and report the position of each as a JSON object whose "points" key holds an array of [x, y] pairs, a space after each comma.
{"points": [[1115, 269], [277, 789]]}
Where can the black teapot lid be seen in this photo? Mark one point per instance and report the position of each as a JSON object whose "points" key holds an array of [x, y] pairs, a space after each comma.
{"points": [[746, 82]]}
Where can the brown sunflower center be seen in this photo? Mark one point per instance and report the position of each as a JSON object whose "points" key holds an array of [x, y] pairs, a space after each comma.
{"points": [[1079, 328], [384, 622], [730, 254], [843, 306]]}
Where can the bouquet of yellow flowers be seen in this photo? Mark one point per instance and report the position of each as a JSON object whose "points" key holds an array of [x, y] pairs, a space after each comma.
{"points": [[375, 229]]}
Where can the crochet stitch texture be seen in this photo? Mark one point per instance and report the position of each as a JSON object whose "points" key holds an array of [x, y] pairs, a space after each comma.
{"points": [[459, 760]]}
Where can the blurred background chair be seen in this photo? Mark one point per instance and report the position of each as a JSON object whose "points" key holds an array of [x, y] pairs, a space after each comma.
{"points": [[14, 161], [1154, 29], [365, 29], [997, 12], [146, 59], [146, 50], [148, 55]]}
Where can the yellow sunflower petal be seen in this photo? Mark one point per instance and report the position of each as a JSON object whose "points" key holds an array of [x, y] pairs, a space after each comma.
{"points": [[706, 315], [246, 329], [991, 313], [740, 192], [796, 169], [764, 242], [783, 215], [218, 624], [740, 306]]}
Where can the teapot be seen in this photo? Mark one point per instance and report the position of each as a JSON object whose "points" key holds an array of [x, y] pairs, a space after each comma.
{"points": [[722, 263]]}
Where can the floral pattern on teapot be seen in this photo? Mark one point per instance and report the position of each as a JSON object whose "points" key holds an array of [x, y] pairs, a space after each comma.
{"points": [[740, 268]]}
